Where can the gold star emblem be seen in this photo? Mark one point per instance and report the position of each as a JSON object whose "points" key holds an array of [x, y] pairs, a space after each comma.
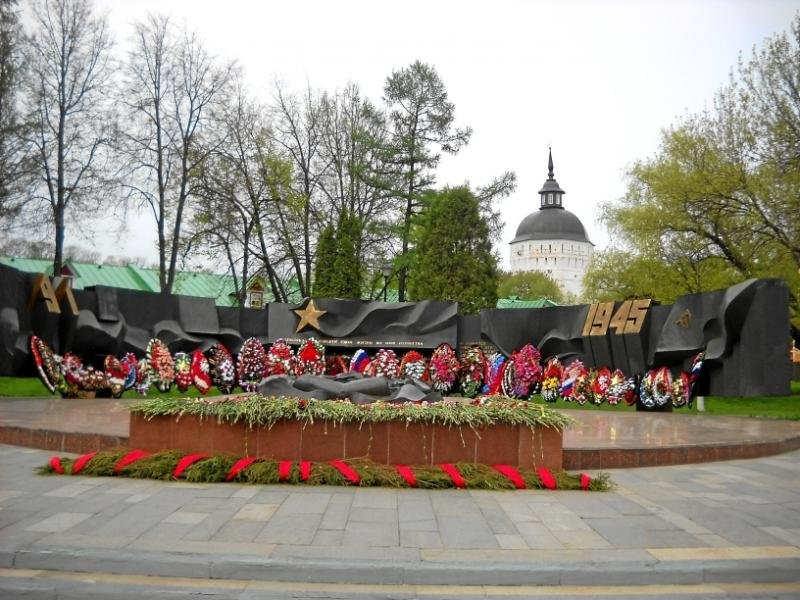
{"points": [[309, 316]]}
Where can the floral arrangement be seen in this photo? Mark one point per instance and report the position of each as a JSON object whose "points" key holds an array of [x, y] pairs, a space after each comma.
{"points": [[72, 375], [413, 365], [311, 358], [681, 390], [223, 372], [47, 363], [621, 388], [335, 365], [199, 371], [385, 364], [551, 379], [494, 379], [183, 371], [600, 384], [143, 379], [655, 388], [359, 362], [527, 372], [160, 365], [93, 380], [473, 371], [575, 383], [507, 379], [280, 359], [252, 364], [117, 372], [132, 365], [443, 368]]}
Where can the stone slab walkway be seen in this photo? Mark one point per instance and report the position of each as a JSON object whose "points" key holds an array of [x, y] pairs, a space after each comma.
{"points": [[736, 521]]}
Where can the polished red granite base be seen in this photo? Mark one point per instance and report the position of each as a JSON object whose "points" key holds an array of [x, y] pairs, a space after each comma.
{"points": [[599, 439]]}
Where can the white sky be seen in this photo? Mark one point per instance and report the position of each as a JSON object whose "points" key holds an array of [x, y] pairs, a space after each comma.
{"points": [[597, 80]]}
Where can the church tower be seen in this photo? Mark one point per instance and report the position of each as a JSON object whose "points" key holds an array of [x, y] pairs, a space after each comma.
{"points": [[552, 239]]}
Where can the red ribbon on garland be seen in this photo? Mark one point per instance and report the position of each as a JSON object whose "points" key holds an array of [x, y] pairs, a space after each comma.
{"points": [[547, 478], [78, 465], [407, 474], [284, 470], [129, 458], [186, 462], [345, 470], [239, 466], [55, 462], [455, 476], [585, 481], [305, 470], [512, 474]]}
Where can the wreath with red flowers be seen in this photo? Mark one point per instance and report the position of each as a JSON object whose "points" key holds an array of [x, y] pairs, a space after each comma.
{"points": [[551, 379], [413, 365], [575, 383], [526, 375], [47, 363], [473, 371], [160, 365], [252, 364], [200, 371], [183, 371], [143, 379], [311, 358], [620, 389], [385, 364], [223, 371], [335, 364], [117, 372], [280, 359], [600, 384], [443, 368]]}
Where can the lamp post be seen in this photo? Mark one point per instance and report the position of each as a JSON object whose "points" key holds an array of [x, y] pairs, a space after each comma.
{"points": [[387, 273]]}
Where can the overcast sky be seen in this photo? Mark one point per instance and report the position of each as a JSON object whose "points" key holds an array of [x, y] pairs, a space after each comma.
{"points": [[596, 80]]}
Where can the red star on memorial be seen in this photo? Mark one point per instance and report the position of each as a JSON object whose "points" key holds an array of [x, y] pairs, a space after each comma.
{"points": [[309, 316]]}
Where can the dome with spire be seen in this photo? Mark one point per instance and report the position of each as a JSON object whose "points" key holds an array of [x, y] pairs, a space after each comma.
{"points": [[552, 220], [552, 240]]}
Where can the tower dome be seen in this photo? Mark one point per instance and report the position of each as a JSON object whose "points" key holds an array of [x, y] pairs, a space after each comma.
{"points": [[552, 239]]}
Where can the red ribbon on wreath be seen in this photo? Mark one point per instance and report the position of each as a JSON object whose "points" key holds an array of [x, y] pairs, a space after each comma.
{"points": [[455, 476], [78, 465], [305, 470], [512, 474], [55, 462], [585, 481], [345, 470], [407, 474], [239, 466], [547, 478], [284, 470], [186, 462], [129, 458]]}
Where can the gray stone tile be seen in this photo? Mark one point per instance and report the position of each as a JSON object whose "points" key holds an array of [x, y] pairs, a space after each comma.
{"points": [[290, 529], [59, 522], [456, 533], [581, 539], [423, 525], [238, 531], [536, 535], [420, 539], [256, 512], [360, 533], [298, 503], [328, 537], [375, 498], [373, 515], [183, 517], [511, 541]]}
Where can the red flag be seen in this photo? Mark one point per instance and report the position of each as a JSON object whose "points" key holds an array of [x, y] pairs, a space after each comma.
{"points": [[239, 466], [407, 474], [512, 474], [455, 476], [78, 465], [186, 462]]}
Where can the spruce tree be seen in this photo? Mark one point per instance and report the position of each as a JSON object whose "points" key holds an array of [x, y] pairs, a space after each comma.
{"points": [[324, 265], [453, 258], [347, 270]]}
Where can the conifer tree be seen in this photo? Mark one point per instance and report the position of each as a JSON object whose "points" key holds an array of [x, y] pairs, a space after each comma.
{"points": [[453, 257], [347, 270], [324, 265]]}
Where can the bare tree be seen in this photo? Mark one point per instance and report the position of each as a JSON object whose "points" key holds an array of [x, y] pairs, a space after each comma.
{"points": [[172, 87], [67, 55]]}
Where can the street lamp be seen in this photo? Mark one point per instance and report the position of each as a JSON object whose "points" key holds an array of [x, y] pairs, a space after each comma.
{"points": [[387, 273]]}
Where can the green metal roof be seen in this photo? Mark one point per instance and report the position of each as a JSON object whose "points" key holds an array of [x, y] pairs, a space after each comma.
{"points": [[517, 303], [88, 274], [29, 265]]}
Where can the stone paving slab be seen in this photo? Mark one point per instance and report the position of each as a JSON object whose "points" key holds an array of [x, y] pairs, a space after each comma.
{"points": [[652, 528]]}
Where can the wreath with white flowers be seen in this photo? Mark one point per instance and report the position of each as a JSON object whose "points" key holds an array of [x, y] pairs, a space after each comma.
{"points": [[443, 368], [223, 371], [200, 371], [551, 379], [280, 359], [160, 365], [385, 364], [183, 371], [311, 358], [413, 365], [47, 364], [473, 371], [252, 364]]}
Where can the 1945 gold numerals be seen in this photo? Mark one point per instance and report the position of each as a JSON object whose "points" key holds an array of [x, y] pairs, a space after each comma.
{"points": [[628, 318]]}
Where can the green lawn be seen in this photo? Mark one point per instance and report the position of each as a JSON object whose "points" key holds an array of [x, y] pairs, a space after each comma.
{"points": [[26, 387], [778, 407]]}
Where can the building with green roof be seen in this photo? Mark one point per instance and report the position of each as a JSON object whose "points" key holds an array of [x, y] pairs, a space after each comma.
{"points": [[514, 302]]}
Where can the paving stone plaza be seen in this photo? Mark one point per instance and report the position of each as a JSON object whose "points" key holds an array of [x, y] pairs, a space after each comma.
{"points": [[725, 529]]}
